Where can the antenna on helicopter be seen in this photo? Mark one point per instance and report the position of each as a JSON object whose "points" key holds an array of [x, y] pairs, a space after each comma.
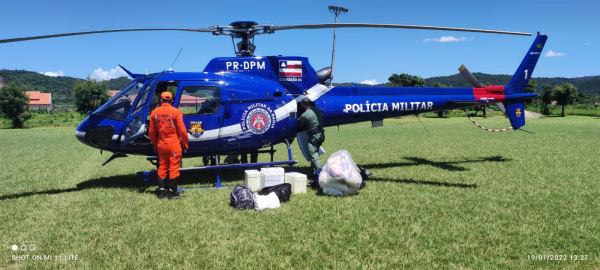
{"points": [[171, 68], [423, 126], [335, 10]]}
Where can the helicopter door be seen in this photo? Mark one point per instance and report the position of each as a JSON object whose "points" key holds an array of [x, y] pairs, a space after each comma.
{"points": [[136, 122], [202, 110]]}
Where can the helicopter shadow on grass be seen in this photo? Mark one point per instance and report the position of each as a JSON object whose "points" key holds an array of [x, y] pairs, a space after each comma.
{"points": [[424, 182], [130, 182], [447, 165], [134, 182], [119, 181]]}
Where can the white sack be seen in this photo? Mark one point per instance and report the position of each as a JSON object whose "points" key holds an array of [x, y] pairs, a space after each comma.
{"points": [[340, 175], [262, 202]]}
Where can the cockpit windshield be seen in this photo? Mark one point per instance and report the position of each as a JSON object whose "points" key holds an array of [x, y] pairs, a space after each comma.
{"points": [[118, 107]]}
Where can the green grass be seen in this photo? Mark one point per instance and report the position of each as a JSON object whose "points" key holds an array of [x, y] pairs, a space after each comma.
{"points": [[580, 110], [452, 197], [59, 119]]}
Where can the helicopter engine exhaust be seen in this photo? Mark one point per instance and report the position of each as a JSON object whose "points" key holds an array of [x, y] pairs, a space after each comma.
{"points": [[324, 74], [469, 77]]}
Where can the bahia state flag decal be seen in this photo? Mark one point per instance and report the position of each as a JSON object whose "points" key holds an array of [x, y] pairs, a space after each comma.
{"points": [[289, 68]]}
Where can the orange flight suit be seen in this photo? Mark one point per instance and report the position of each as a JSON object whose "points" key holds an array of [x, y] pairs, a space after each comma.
{"points": [[167, 133]]}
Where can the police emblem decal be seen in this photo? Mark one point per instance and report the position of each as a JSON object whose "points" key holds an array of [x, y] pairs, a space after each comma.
{"points": [[518, 112], [196, 129], [258, 118]]}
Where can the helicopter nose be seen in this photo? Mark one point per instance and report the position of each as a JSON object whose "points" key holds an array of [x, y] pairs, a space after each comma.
{"points": [[100, 136]]}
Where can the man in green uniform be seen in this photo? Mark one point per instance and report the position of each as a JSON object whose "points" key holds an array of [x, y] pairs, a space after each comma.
{"points": [[312, 120]]}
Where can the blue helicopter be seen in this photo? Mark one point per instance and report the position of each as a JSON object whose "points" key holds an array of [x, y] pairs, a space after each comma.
{"points": [[240, 105]]}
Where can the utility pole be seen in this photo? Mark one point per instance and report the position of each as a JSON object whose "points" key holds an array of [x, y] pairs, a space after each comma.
{"points": [[336, 11]]}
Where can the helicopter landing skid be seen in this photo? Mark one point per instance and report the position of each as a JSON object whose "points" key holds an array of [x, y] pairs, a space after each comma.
{"points": [[151, 176]]}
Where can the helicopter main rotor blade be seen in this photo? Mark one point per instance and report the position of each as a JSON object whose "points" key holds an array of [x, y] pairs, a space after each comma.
{"points": [[373, 25], [105, 31]]}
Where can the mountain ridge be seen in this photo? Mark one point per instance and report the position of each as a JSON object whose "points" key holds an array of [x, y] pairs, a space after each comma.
{"points": [[62, 87]]}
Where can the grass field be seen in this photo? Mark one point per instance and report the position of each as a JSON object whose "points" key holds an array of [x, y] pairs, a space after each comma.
{"points": [[452, 197]]}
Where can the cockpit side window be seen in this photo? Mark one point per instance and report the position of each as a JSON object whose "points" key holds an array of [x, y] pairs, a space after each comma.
{"points": [[196, 100], [118, 107], [145, 93], [170, 86]]}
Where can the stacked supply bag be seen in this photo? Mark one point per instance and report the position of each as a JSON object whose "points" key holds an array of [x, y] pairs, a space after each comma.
{"points": [[340, 176], [242, 197], [272, 197]]}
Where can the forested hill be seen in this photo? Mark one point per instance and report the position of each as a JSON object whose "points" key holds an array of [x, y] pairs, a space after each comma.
{"points": [[589, 85], [60, 87], [118, 83]]}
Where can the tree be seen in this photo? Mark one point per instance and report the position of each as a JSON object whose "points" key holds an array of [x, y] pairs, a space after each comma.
{"points": [[565, 94], [14, 103], [531, 86], [437, 84], [90, 94], [547, 98], [405, 80], [584, 98]]}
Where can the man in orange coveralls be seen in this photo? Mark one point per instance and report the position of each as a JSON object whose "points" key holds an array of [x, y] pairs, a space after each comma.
{"points": [[169, 137]]}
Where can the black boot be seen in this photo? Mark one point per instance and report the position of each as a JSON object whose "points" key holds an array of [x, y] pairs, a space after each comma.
{"points": [[173, 193], [162, 192]]}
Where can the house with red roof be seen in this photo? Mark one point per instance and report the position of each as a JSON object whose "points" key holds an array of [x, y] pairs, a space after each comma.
{"points": [[39, 100]]}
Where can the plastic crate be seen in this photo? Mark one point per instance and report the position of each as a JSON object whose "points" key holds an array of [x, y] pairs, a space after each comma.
{"points": [[271, 176], [297, 180], [252, 179]]}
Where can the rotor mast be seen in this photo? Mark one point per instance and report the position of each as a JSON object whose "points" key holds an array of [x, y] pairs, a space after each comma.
{"points": [[244, 30]]}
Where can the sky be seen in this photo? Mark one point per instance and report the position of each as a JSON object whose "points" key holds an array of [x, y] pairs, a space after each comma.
{"points": [[363, 55]]}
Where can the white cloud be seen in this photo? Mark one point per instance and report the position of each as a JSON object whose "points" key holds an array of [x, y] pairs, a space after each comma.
{"points": [[551, 53], [60, 73], [113, 73], [369, 82], [445, 39]]}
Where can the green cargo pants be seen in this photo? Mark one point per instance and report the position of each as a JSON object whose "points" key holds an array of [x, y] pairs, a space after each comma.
{"points": [[314, 142]]}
